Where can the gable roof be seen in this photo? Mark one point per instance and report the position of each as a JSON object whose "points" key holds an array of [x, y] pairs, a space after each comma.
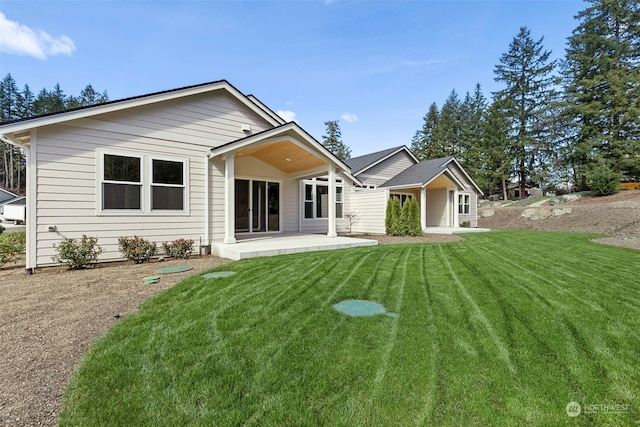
{"points": [[21, 125], [362, 163], [295, 134], [422, 173]]}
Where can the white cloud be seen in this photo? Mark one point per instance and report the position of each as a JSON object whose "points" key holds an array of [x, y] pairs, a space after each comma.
{"points": [[349, 118], [21, 40], [287, 115]]}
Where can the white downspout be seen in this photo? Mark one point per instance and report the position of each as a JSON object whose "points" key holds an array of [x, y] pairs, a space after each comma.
{"points": [[207, 200]]}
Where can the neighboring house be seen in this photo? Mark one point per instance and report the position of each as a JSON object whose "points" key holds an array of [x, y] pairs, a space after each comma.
{"points": [[6, 196], [514, 191], [447, 195], [207, 163]]}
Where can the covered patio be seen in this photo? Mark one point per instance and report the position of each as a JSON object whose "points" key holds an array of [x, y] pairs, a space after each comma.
{"points": [[279, 244]]}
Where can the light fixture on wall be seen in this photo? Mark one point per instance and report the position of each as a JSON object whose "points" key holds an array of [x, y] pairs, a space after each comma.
{"points": [[287, 159]]}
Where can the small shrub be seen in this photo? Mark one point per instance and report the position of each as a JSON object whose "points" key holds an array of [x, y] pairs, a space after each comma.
{"points": [[465, 224], [136, 249], [1, 229], [603, 180], [179, 248], [12, 245], [77, 253]]}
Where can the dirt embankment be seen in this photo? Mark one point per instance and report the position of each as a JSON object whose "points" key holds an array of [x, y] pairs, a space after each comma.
{"points": [[617, 216]]}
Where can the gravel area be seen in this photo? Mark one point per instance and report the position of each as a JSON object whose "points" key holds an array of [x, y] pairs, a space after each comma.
{"points": [[49, 319]]}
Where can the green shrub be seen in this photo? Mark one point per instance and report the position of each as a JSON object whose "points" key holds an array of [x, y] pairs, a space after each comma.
{"points": [[12, 245], [77, 253], [136, 249], [414, 228], [603, 180], [392, 220], [1, 229], [179, 248]]}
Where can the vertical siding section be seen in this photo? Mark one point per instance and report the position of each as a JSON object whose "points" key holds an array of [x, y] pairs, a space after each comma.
{"points": [[384, 171], [68, 176]]}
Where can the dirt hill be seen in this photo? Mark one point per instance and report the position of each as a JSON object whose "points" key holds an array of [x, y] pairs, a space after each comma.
{"points": [[617, 215]]}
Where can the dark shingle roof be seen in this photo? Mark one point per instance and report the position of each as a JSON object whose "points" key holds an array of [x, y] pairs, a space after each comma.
{"points": [[358, 163], [420, 173]]}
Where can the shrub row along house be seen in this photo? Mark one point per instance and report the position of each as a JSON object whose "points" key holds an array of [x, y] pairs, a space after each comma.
{"points": [[209, 163]]}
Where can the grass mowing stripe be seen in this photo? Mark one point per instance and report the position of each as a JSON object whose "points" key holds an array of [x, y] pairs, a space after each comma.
{"points": [[502, 348], [425, 414], [391, 342]]}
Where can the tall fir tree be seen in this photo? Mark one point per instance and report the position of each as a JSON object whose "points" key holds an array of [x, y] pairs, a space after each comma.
{"points": [[472, 112], [333, 140], [496, 161], [422, 142], [447, 133], [526, 71], [602, 87]]}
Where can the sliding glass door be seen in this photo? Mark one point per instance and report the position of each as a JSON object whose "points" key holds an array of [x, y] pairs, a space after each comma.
{"points": [[257, 208]]}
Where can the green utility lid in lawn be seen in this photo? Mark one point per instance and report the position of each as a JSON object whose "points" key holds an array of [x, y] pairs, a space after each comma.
{"points": [[218, 274], [176, 269], [359, 308]]}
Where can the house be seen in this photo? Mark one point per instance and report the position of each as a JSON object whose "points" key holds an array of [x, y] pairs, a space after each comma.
{"points": [[514, 191], [447, 195], [6, 197], [207, 163]]}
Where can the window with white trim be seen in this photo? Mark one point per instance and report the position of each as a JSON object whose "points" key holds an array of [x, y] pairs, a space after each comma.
{"points": [[143, 183], [403, 197], [464, 203], [167, 185], [121, 182], [316, 198]]}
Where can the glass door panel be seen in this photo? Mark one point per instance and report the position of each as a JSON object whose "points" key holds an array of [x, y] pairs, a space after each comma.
{"points": [[242, 207], [273, 202], [259, 206]]}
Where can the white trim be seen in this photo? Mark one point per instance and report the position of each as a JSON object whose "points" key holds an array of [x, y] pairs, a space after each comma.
{"points": [[136, 102], [267, 181], [314, 182], [465, 174], [207, 201], [146, 184], [32, 201], [229, 199], [423, 208], [331, 229]]}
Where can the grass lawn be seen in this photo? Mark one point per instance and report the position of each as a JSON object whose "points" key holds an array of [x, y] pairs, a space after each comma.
{"points": [[505, 328]]}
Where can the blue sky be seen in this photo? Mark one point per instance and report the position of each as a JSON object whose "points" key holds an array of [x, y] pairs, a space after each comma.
{"points": [[375, 66]]}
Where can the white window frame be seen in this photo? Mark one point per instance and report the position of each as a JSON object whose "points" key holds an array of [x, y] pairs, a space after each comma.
{"points": [[464, 204], [146, 182], [399, 194], [315, 182]]}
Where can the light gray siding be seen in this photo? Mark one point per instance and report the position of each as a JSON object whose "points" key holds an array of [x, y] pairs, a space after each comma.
{"points": [[384, 171], [68, 176], [437, 207], [370, 205], [470, 189]]}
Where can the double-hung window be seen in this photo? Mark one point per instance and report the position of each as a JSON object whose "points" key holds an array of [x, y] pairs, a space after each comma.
{"points": [[316, 198], [167, 185], [464, 204], [141, 182], [122, 182]]}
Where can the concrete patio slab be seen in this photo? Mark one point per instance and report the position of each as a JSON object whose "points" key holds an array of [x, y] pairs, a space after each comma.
{"points": [[280, 244], [454, 230]]}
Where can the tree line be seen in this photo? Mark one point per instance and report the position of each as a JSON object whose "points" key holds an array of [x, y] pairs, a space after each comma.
{"points": [[554, 123], [17, 104]]}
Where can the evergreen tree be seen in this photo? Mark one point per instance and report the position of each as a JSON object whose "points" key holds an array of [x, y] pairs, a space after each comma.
{"points": [[9, 97], [495, 158], [447, 133], [422, 143], [25, 104], [526, 71], [602, 88], [472, 112], [333, 142]]}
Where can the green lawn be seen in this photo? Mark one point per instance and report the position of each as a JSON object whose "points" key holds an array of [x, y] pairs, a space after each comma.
{"points": [[504, 328]]}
